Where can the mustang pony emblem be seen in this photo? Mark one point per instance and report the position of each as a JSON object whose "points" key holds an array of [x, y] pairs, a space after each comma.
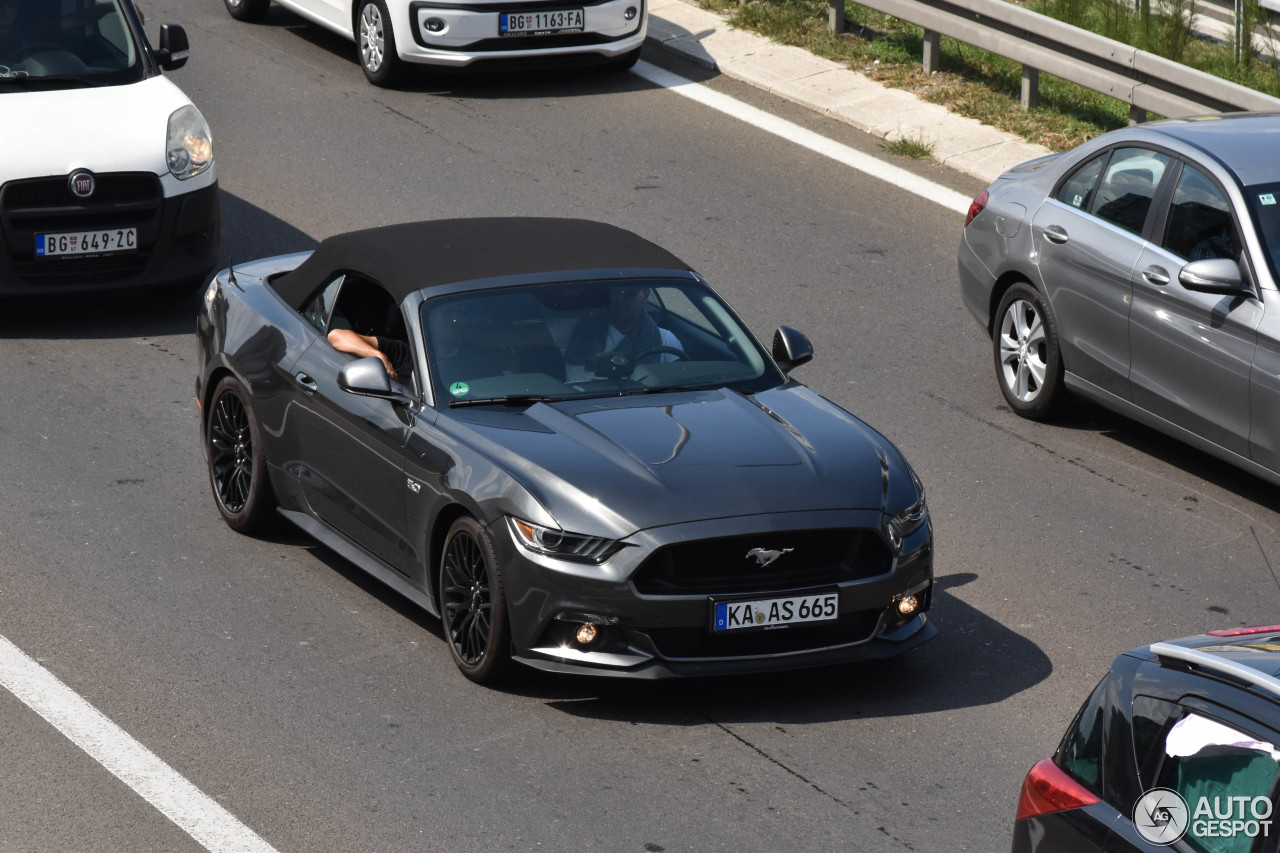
{"points": [[764, 558]]}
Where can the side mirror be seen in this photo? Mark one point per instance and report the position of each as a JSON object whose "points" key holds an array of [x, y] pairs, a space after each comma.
{"points": [[791, 349], [1216, 275], [368, 377], [174, 48]]}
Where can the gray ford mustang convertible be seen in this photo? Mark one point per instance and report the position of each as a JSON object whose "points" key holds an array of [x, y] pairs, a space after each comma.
{"points": [[580, 458]]}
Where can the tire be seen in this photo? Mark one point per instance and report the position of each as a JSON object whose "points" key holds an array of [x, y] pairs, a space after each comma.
{"points": [[625, 62], [251, 11], [473, 604], [376, 45], [1028, 359], [237, 466]]}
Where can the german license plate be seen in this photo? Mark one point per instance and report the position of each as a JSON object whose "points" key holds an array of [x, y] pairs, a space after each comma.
{"points": [[540, 23], [87, 242], [774, 612]]}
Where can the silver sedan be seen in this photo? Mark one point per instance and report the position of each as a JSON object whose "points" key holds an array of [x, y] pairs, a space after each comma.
{"points": [[1139, 271]]}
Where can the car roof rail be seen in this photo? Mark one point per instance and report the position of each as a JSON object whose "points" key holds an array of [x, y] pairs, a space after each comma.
{"points": [[1216, 663]]}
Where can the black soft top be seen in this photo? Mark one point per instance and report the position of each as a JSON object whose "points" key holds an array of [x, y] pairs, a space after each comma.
{"points": [[408, 257]]}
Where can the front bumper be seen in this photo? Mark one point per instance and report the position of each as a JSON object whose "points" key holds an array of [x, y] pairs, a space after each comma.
{"points": [[178, 236], [457, 34], [647, 634]]}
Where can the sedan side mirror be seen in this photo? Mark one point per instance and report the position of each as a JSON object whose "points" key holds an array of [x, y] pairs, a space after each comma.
{"points": [[1216, 275], [174, 47], [368, 378], [791, 349]]}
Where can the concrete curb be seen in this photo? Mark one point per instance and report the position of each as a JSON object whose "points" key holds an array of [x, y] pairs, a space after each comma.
{"points": [[829, 88]]}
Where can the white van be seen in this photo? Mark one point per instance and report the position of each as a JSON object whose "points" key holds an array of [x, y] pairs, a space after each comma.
{"points": [[107, 177]]}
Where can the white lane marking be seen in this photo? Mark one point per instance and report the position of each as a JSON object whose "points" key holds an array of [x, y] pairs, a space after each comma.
{"points": [[792, 132], [216, 829]]}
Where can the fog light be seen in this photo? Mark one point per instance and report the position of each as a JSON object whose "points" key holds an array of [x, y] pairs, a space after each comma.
{"points": [[908, 604], [586, 634], [629, 13], [435, 25]]}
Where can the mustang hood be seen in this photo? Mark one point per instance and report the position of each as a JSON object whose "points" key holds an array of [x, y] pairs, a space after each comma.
{"points": [[102, 129], [630, 463]]}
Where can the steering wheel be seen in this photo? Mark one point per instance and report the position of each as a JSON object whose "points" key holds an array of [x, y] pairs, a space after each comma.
{"points": [[616, 365]]}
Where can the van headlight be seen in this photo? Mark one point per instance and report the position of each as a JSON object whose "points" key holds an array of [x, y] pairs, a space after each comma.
{"points": [[189, 148]]}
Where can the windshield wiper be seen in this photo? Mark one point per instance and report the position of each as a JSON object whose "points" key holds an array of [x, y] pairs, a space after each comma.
{"points": [[662, 389], [509, 400], [56, 79]]}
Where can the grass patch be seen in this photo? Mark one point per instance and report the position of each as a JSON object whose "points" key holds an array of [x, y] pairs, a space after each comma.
{"points": [[913, 147], [986, 87]]}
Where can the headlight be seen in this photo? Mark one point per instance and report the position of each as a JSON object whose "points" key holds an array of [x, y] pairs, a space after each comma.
{"points": [[910, 519], [189, 148], [566, 546]]}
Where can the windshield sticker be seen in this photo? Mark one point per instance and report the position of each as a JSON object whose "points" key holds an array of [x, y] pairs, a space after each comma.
{"points": [[1077, 201], [459, 389], [1267, 198]]}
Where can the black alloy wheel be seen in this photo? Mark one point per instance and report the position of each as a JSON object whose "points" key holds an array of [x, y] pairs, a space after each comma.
{"points": [[473, 605], [237, 469]]}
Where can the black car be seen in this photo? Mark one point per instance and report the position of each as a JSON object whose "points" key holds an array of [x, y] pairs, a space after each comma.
{"points": [[1176, 749], [585, 461]]}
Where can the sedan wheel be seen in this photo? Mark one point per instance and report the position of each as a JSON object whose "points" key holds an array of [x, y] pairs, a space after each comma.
{"points": [[1027, 357], [247, 10], [237, 468], [377, 43], [473, 604]]}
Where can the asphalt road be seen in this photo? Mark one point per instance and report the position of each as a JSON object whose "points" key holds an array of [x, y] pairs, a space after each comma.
{"points": [[324, 712]]}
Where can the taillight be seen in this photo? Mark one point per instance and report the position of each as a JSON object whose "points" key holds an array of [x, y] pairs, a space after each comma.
{"points": [[1244, 632], [1048, 789], [976, 206]]}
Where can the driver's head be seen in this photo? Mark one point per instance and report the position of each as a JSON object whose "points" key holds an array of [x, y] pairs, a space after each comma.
{"points": [[626, 306]]}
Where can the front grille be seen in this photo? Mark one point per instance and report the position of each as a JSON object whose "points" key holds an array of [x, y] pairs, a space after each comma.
{"points": [[120, 188], [47, 206], [723, 566], [700, 643]]}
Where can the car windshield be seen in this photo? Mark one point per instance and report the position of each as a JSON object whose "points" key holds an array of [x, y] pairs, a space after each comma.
{"points": [[522, 345], [1264, 207], [66, 44]]}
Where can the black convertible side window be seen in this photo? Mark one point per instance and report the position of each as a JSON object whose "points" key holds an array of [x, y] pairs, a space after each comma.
{"points": [[320, 307]]}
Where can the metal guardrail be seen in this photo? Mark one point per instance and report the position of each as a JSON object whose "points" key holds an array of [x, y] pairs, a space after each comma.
{"points": [[1141, 79]]}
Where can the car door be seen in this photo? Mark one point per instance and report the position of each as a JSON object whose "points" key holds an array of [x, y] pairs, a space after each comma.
{"points": [[1088, 238], [349, 449], [1192, 352]]}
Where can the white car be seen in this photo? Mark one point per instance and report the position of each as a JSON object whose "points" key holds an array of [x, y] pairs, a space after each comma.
{"points": [[446, 33], [108, 177]]}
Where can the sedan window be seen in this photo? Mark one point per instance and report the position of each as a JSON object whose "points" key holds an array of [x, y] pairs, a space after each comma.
{"points": [[1200, 226], [1078, 189], [1130, 182]]}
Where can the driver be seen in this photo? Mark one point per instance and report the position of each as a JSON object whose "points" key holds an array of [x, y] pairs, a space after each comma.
{"points": [[624, 328], [18, 34]]}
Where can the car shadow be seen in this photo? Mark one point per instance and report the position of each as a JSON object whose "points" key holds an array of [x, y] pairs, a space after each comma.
{"points": [[1084, 416], [525, 80], [974, 661], [248, 232]]}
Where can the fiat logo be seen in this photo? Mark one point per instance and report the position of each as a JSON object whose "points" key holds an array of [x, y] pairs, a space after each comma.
{"points": [[81, 184]]}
